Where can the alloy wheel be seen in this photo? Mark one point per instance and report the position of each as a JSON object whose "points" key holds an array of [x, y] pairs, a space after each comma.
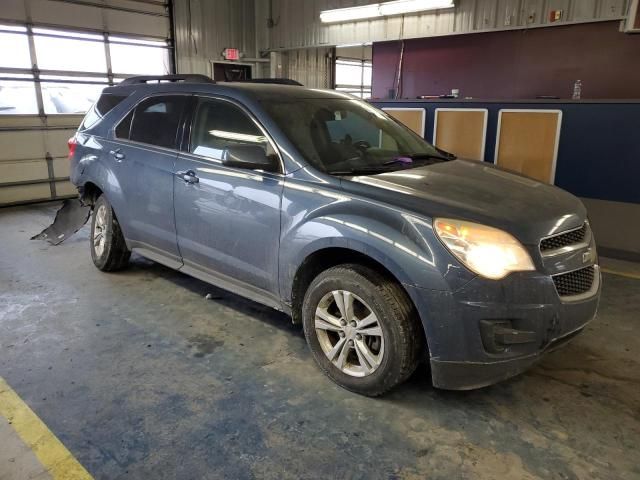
{"points": [[349, 333], [100, 230]]}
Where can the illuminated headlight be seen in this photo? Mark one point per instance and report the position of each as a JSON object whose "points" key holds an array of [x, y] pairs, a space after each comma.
{"points": [[484, 250]]}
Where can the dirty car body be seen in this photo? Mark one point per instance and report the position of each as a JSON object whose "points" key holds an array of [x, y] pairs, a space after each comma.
{"points": [[256, 231]]}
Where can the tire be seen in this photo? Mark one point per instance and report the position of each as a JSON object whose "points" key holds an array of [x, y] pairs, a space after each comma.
{"points": [[394, 342], [108, 249]]}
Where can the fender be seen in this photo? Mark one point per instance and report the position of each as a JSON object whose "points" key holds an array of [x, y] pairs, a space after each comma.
{"points": [[90, 168], [410, 258]]}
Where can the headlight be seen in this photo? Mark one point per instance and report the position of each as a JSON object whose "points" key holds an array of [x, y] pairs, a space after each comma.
{"points": [[484, 250]]}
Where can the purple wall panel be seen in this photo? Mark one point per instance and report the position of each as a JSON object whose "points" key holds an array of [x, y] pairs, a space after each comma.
{"points": [[515, 64]]}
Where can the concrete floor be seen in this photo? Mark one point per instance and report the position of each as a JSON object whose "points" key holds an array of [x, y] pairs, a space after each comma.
{"points": [[141, 377]]}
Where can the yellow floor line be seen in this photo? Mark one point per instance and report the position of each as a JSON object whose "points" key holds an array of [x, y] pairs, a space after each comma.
{"points": [[51, 453], [635, 276]]}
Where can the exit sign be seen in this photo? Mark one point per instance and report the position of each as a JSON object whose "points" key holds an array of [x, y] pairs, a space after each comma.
{"points": [[231, 54]]}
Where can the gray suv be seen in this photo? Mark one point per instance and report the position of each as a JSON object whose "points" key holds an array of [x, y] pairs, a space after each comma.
{"points": [[386, 249]]}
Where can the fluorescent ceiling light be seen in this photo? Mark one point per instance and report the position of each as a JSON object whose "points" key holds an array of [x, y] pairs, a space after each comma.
{"points": [[409, 6], [352, 13], [397, 7]]}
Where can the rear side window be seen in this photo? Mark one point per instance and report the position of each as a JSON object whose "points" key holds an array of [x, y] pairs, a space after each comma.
{"points": [[124, 127], [106, 103], [155, 121]]}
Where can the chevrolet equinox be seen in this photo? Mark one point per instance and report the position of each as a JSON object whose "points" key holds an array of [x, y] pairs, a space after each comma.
{"points": [[385, 248]]}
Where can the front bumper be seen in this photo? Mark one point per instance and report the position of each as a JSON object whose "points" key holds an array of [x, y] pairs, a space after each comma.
{"points": [[489, 331]]}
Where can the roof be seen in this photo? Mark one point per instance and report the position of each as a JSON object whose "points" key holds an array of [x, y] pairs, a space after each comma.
{"points": [[259, 91]]}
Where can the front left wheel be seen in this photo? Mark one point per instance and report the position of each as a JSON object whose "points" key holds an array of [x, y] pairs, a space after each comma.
{"points": [[109, 251], [362, 329]]}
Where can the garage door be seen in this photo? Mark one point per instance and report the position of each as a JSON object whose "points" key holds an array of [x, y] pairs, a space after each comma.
{"points": [[57, 56]]}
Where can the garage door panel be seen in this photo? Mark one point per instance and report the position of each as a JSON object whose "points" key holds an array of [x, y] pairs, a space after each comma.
{"points": [[135, 5], [13, 10], [61, 167], [34, 147], [66, 120], [17, 145], [139, 23], [65, 189], [23, 170], [22, 121], [25, 193], [66, 14], [56, 142]]}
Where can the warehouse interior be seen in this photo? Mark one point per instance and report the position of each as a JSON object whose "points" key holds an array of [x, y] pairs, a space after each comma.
{"points": [[150, 373]]}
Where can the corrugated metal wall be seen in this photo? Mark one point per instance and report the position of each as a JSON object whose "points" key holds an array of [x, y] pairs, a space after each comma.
{"points": [[204, 28], [313, 67], [296, 23]]}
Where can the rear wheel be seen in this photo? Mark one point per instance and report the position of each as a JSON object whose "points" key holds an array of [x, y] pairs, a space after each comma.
{"points": [[108, 249], [362, 329]]}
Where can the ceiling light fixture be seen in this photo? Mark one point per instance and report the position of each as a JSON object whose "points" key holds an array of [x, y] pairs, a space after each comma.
{"points": [[374, 10]]}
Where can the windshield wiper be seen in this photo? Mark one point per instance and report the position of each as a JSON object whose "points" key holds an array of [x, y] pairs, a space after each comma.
{"points": [[409, 159], [360, 171], [406, 161]]}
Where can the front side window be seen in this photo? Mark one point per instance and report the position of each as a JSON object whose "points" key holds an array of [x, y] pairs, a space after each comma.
{"points": [[347, 136], [156, 120], [219, 125]]}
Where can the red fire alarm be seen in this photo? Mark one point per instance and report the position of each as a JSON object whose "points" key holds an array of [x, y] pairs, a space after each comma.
{"points": [[231, 54]]}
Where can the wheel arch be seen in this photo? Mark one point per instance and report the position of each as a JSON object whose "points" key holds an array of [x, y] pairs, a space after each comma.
{"points": [[324, 258], [89, 193]]}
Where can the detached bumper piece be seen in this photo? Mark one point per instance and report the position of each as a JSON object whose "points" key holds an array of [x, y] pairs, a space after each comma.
{"points": [[69, 219]]}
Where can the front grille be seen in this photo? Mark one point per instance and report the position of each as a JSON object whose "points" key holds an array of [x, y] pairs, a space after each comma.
{"points": [[574, 283], [564, 239]]}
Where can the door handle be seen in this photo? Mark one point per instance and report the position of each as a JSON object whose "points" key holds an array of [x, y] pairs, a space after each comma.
{"points": [[189, 176], [117, 154]]}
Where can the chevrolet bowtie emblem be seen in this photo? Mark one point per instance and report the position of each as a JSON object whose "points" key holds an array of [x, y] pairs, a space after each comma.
{"points": [[586, 256]]}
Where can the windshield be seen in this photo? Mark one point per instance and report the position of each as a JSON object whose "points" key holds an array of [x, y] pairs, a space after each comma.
{"points": [[349, 136]]}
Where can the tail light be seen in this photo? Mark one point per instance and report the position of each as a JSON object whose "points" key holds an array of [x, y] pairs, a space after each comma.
{"points": [[72, 143]]}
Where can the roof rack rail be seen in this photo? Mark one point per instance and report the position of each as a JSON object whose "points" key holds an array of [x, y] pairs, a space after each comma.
{"points": [[277, 81], [189, 78]]}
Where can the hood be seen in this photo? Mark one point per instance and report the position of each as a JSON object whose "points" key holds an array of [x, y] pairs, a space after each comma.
{"points": [[477, 192]]}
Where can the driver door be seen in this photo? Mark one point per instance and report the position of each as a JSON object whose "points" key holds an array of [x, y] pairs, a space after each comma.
{"points": [[227, 219]]}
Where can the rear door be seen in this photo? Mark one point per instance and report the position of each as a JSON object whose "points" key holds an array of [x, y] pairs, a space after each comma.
{"points": [[143, 156], [227, 219]]}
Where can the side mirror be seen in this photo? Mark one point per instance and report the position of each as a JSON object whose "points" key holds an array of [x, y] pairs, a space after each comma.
{"points": [[251, 157]]}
